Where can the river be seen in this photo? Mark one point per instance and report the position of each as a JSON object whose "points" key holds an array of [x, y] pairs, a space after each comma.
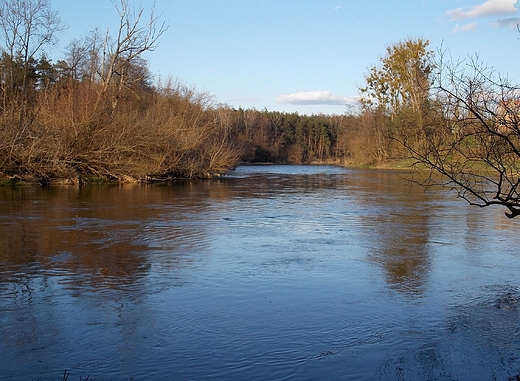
{"points": [[272, 272]]}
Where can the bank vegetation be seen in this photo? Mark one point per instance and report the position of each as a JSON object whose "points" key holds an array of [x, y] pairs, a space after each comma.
{"points": [[98, 114]]}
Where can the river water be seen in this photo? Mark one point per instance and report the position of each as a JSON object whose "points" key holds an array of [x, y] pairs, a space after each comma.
{"points": [[273, 272]]}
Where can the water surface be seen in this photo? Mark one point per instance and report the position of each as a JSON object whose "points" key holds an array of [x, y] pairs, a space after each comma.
{"points": [[273, 272]]}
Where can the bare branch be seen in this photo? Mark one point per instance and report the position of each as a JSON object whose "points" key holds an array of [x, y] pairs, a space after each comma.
{"points": [[134, 37], [471, 136]]}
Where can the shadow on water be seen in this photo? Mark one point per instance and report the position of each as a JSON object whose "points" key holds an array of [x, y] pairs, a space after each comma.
{"points": [[479, 340]]}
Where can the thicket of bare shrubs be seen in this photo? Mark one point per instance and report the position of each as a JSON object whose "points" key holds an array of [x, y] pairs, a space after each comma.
{"points": [[96, 114], [72, 133]]}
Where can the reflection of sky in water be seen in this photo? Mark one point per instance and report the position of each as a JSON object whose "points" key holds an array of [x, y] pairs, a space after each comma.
{"points": [[272, 272]]}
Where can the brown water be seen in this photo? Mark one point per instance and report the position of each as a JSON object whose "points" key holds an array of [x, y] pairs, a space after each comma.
{"points": [[274, 272]]}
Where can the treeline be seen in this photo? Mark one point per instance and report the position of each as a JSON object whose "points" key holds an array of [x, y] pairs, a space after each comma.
{"points": [[349, 139], [97, 113]]}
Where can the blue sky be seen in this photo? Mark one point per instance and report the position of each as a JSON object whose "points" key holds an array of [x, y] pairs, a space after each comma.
{"points": [[308, 56]]}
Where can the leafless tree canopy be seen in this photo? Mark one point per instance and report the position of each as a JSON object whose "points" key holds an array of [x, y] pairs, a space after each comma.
{"points": [[96, 114], [471, 135]]}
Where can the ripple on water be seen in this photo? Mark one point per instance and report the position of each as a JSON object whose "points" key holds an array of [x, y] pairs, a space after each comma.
{"points": [[275, 273], [480, 339]]}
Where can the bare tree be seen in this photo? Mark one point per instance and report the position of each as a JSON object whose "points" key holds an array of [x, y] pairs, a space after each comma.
{"points": [[471, 137], [27, 26], [84, 57], [135, 36]]}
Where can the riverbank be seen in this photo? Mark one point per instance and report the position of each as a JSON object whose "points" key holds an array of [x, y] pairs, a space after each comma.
{"points": [[21, 179]]}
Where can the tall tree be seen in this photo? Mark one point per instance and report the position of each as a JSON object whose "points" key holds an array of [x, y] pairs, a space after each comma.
{"points": [[27, 26], [134, 36], [402, 79], [397, 92]]}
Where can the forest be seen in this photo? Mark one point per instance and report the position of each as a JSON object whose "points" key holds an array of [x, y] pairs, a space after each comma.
{"points": [[98, 115]]}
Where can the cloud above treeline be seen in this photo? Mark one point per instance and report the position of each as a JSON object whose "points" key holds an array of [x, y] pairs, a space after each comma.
{"points": [[319, 97], [471, 27], [487, 8]]}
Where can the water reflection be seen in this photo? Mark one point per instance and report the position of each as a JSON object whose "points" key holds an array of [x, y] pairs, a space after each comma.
{"points": [[105, 232], [283, 272], [399, 228]]}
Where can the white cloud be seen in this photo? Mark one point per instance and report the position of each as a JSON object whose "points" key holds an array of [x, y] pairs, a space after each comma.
{"points": [[488, 8], [471, 27], [316, 98]]}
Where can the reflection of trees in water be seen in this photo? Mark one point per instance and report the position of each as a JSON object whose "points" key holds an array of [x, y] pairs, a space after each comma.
{"points": [[87, 252], [48, 233], [398, 230], [400, 246], [110, 233]]}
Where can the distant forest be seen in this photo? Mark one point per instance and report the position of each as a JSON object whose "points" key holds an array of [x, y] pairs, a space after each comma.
{"points": [[98, 115]]}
